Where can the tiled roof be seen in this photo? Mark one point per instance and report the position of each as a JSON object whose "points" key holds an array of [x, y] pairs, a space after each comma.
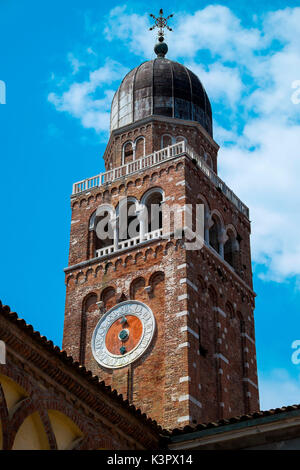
{"points": [[233, 420]]}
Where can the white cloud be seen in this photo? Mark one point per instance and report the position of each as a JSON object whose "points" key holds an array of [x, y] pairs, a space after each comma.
{"points": [[130, 28], [81, 99], [218, 30], [278, 389], [284, 25], [221, 82], [75, 63], [267, 180], [275, 78]]}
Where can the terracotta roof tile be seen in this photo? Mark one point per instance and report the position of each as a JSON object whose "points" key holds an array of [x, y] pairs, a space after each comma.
{"points": [[235, 419]]}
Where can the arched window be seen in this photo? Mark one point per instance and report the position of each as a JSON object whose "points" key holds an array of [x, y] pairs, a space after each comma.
{"points": [[229, 310], [101, 228], [137, 288], [108, 297], [153, 203], [231, 249], [214, 232], [127, 152], [128, 223], [139, 147], [166, 140], [133, 228], [180, 138], [156, 282], [208, 159], [104, 235]]}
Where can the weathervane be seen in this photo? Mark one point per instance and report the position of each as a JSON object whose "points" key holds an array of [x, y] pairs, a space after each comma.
{"points": [[161, 23]]}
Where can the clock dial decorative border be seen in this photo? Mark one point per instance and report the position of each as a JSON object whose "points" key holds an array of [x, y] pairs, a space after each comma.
{"points": [[130, 307]]}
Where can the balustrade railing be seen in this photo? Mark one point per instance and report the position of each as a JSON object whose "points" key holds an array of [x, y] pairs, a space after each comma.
{"points": [[125, 244], [154, 159]]}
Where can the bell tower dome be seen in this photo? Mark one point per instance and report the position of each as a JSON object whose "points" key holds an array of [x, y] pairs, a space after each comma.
{"points": [[169, 326], [161, 87]]}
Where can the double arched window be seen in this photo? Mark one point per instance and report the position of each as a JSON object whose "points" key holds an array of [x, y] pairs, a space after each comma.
{"points": [[132, 150], [131, 223], [224, 240]]}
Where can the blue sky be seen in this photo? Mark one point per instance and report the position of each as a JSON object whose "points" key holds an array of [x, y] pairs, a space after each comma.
{"points": [[62, 62]]}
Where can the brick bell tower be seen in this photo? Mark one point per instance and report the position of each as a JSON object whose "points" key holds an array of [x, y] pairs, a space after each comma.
{"points": [[171, 329]]}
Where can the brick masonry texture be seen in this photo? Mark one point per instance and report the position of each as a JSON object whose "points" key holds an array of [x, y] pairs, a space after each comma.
{"points": [[52, 381], [201, 365], [153, 130]]}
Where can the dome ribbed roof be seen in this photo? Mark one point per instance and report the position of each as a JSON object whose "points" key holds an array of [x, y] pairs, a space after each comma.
{"points": [[164, 88]]}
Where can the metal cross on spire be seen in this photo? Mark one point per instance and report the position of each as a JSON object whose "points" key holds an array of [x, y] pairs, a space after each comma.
{"points": [[161, 23]]}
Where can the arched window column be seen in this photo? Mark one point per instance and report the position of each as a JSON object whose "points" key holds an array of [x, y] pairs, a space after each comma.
{"points": [[115, 228], [98, 242], [232, 248], [208, 223], [215, 238], [151, 208], [126, 213], [222, 240], [142, 215]]}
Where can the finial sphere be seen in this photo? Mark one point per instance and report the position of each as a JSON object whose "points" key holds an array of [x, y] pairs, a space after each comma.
{"points": [[160, 49]]}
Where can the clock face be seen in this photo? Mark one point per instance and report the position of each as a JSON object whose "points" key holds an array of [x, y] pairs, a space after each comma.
{"points": [[123, 334]]}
